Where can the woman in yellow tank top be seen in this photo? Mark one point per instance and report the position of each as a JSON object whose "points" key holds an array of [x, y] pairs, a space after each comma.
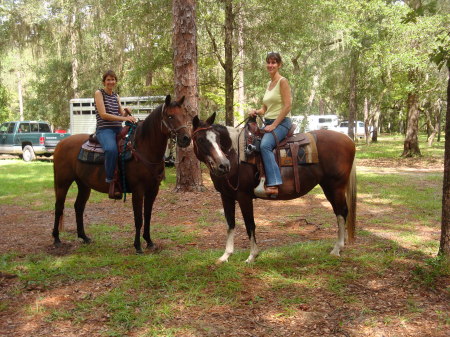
{"points": [[276, 110]]}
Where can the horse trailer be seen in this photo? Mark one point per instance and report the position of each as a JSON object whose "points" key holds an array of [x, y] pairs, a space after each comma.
{"points": [[82, 111]]}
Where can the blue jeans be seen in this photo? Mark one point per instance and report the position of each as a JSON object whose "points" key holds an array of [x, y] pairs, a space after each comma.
{"points": [[107, 139], [268, 143]]}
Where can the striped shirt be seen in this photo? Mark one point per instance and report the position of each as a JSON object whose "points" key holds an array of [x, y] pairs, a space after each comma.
{"points": [[111, 107]]}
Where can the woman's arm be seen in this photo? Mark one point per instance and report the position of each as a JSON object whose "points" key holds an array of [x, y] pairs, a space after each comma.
{"points": [[259, 112], [100, 104], [286, 99]]}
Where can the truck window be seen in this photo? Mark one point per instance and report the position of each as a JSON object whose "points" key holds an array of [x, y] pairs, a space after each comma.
{"points": [[4, 127], [11, 127], [24, 127], [34, 127], [43, 127]]}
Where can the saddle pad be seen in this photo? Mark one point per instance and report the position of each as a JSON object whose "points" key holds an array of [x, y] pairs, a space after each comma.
{"points": [[306, 154], [91, 157], [93, 153]]}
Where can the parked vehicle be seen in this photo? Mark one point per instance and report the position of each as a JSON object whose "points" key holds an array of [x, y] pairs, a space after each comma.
{"points": [[359, 128], [315, 122], [28, 139]]}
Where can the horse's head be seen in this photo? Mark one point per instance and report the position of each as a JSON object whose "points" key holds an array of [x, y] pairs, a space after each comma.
{"points": [[174, 119], [212, 144]]}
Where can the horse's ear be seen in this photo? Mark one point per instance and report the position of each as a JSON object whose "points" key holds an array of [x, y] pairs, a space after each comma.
{"points": [[180, 102], [195, 122], [210, 120], [168, 99]]}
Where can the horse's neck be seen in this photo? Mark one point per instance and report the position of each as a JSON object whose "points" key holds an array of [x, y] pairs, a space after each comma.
{"points": [[153, 142]]}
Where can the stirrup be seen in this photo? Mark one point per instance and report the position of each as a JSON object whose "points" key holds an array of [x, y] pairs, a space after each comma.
{"points": [[261, 192]]}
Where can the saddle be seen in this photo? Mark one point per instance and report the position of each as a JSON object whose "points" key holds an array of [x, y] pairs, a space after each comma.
{"points": [[92, 152], [292, 151]]}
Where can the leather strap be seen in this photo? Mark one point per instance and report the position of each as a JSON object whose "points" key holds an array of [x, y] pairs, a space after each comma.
{"points": [[294, 151]]}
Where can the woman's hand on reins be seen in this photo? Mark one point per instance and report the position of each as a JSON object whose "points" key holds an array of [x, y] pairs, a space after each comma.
{"points": [[253, 113], [130, 119]]}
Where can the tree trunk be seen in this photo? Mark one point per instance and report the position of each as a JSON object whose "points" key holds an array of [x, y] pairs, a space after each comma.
{"points": [[352, 99], [189, 175], [241, 91], [444, 247], [366, 119], [376, 123], [312, 95], [229, 88], [20, 94], [73, 49], [149, 82], [411, 144]]}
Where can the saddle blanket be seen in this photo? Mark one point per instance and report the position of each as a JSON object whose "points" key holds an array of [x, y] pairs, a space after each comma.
{"points": [[93, 153], [306, 154]]}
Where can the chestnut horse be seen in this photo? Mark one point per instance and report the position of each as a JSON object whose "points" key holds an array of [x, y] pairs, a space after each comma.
{"points": [[215, 145], [143, 174]]}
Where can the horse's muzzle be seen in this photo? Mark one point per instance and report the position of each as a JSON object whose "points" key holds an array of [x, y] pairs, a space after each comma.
{"points": [[183, 140], [219, 168]]}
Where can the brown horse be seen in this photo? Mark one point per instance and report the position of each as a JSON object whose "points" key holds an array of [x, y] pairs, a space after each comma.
{"points": [[215, 145], [143, 174]]}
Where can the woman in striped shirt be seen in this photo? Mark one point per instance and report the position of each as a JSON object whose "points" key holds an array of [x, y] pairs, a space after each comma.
{"points": [[110, 116]]}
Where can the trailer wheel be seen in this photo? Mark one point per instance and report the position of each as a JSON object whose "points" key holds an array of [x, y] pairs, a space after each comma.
{"points": [[28, 153]]}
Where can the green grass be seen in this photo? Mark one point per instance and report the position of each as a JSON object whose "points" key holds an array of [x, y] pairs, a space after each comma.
{"points": [[392, 147], [148, 292]]}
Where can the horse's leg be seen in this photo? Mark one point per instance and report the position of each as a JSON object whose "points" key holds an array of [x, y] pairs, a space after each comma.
{"points": [[229, 207], [246, 205], [148, 207], [336, 196], [80, 203], [60, 193], [137, 198]]}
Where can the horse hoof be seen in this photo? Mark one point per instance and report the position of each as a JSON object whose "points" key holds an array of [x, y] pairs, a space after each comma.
{"points": [[57, 244], [87, 240], [139, 251], [335, 252]]}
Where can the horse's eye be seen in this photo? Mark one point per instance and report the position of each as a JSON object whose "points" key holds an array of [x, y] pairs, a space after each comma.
{"points": [[170, 117]]}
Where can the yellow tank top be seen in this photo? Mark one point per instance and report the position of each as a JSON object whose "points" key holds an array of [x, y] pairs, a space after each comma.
{"points": [[273, 101]]}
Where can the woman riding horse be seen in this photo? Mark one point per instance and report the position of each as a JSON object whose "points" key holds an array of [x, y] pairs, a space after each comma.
{"points": [[143, 174]]}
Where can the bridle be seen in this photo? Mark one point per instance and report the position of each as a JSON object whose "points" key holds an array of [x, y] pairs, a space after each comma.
{"points": [[227, 154], [173, 132]]}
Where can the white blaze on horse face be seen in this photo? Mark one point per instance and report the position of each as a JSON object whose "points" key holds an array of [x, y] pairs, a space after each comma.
{"points": [[212, 138], [229, 249], [341, 236]]}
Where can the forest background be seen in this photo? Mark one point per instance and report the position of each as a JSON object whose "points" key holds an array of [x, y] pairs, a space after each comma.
{"points": [[374, 57]]}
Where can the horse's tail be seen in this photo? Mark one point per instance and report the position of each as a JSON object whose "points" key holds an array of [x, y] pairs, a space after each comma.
{"points": [[351, 204]]}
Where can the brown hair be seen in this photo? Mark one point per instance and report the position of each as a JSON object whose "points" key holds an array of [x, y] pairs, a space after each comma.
{"points": [[109, 73], [274, 56]]}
